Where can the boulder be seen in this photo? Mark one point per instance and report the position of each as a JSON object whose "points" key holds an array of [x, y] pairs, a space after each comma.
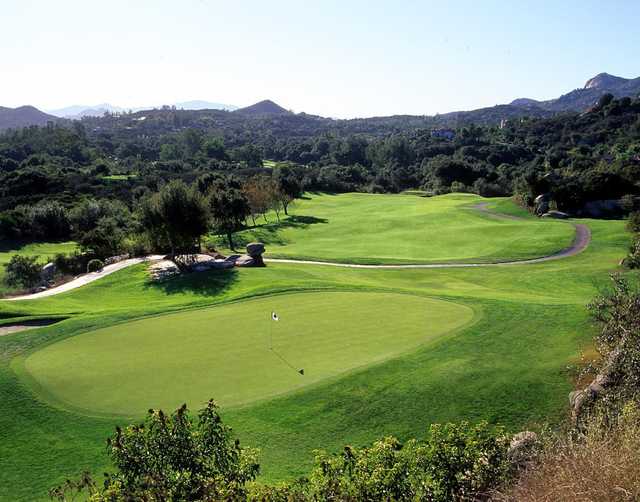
{"points": [[245, 261], [522, 448], [255, 249], [555, 214], [232, 258], [48, 271]]}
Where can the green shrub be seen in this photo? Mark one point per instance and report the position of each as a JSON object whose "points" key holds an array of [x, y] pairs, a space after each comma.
{"points": [[23, 271], [95, 265], [455, 462], [633, 224], [632, 260], [171, 457]]}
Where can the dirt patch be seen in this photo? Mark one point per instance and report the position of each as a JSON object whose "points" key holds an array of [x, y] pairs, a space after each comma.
{"points": [[7, 329]]}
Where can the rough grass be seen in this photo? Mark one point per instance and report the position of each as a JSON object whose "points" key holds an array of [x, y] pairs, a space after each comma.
{"points": [[370, 228], [45, 250], [510, 367], [603, 465]]}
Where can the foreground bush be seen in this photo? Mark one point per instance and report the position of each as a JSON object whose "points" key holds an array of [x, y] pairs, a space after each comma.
{"points": [[455, 462], [177, 458], [171, 457]]}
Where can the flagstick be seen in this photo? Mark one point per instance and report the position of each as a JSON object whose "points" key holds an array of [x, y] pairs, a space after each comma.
{"points": [[271, 332]]}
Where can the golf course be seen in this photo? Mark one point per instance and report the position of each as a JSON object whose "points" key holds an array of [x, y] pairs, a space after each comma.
{"points": [[383, 351]]}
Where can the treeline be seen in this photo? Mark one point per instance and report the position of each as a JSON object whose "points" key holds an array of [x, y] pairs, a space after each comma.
{"points": [[174, 218], [574, 158]]}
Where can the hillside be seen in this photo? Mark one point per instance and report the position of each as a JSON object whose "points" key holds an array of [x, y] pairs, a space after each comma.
{"points": [[23, 116], [584, 98], [266, 107]]}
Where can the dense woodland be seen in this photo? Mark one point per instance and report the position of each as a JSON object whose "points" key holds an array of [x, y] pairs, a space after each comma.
{"points": [[51, 176]]}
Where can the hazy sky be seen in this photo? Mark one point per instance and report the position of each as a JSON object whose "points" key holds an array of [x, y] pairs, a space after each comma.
{"points": [[334, 58]]}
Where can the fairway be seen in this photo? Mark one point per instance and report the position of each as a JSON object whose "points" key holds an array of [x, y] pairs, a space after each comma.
{"points": [[223, 352], [371, 228]]}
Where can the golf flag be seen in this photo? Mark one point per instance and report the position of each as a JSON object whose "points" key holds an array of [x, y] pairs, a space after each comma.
{"points": [[274, 316]]}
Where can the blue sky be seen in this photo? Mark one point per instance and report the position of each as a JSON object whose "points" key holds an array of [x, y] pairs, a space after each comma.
{"points": [[334, 58]]}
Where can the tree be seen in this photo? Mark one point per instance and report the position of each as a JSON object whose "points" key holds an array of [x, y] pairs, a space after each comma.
{"points": [[257, 192], [177, 215], [22, 271], [289, 187], [229, 208], [172, 457]]}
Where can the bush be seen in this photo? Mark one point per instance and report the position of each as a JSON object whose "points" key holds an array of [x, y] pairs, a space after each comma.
{"points": [[23, 271], [456, 462], [633, 224], [95, 265], [172, 457], [632, 260]]}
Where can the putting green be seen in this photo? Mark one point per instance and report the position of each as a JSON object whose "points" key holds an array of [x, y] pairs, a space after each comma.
{"points": [[223, 352]]}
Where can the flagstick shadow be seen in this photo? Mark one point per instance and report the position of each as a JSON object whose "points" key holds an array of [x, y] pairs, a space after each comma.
{"points": [[300, 371]]}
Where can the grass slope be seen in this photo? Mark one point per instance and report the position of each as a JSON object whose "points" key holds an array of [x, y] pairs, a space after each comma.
{"points": [[509, 367], [368, 228]]}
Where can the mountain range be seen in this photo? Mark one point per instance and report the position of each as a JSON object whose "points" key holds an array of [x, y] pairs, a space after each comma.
{"points": [[578, 100], [79, 111]]}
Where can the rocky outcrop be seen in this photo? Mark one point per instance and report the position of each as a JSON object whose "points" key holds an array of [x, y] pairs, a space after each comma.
{"points": [[582, 400], [163, 269], [522, 448], [245, 261]]}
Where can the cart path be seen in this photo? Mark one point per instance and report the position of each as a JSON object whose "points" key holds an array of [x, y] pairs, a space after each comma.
{"points": [[579, 244]]}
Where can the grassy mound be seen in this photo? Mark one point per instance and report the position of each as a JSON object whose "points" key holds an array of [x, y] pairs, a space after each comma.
{"points": [[368, 228]]}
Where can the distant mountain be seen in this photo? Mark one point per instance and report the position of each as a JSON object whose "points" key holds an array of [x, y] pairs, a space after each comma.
{"points": [[24, 116], [266, 107], [204, 105], [582, 99], [79, 111]]}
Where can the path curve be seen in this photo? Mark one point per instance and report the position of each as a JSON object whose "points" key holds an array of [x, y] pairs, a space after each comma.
{"points": [[579, 244], [83, 279]]}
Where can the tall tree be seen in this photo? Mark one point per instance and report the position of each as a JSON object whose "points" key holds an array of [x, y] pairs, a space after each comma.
{"points": [[178, 214], [229, 208]]}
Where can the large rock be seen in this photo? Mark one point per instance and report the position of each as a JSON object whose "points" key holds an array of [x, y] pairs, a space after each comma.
{"points": [[48, 271], [255, 249], [555, 214], [245, 261], [163, 269]]}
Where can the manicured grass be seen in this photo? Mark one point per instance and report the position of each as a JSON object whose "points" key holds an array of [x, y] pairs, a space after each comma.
{"points": [[225, 351], [369, 228], [509, 367], [45, 250]]}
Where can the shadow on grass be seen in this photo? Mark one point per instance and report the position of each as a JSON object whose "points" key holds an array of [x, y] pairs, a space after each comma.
{"points": [[210, 283], [269, 233]]}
